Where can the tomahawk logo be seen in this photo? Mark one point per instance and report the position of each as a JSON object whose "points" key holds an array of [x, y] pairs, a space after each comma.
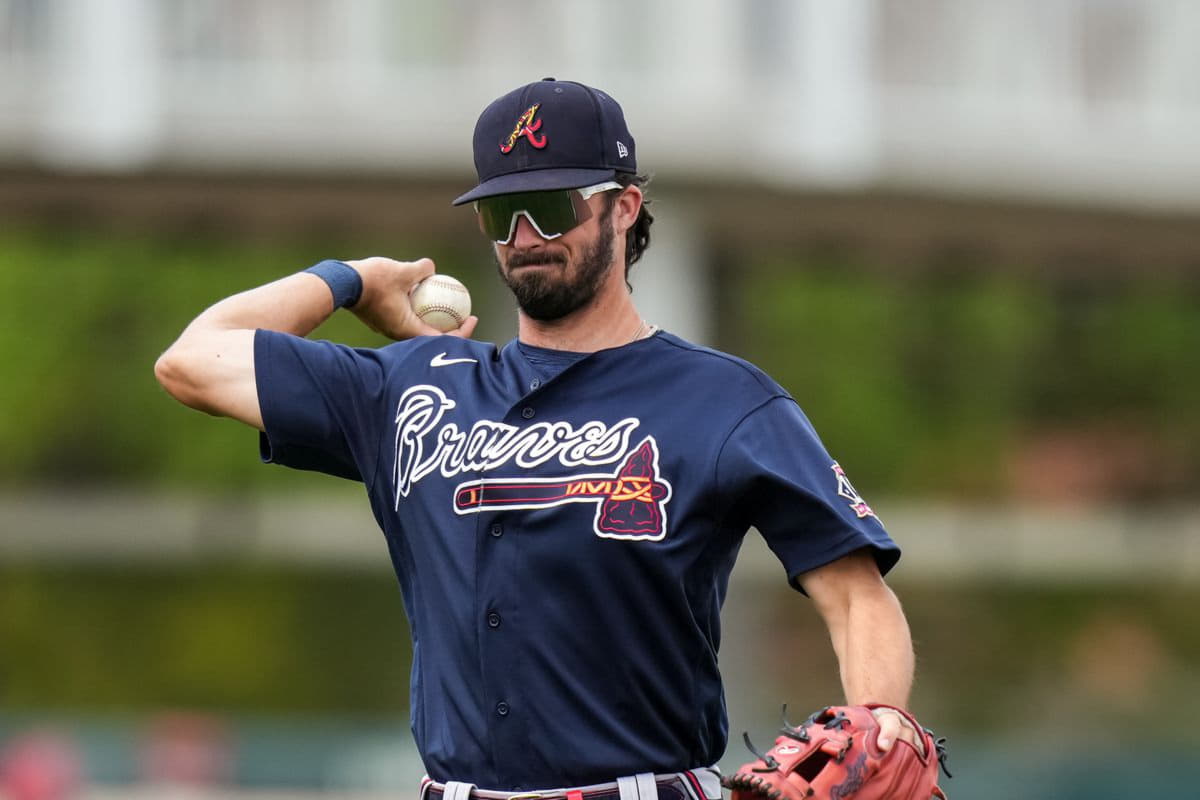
{"points": [[631, 503]]}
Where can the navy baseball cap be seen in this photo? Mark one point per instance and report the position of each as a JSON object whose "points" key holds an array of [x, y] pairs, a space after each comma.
{"points": [[549, 135]]}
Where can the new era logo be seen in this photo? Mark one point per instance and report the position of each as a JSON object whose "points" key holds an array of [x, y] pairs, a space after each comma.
{"points": [[622, 150]]}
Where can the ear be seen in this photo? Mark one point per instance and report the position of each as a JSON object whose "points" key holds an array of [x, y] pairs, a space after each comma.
{"points": [[626, 208]]}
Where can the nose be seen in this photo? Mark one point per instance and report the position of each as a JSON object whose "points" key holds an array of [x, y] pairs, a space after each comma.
{"points": [[525, 236]]}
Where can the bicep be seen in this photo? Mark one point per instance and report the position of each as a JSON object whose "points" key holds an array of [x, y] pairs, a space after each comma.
{"points": [[213, 371]]}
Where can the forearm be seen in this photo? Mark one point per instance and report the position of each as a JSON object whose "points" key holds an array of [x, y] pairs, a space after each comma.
{"points": [[874, 649], [211, 366], [296, 304], [867, 628]]}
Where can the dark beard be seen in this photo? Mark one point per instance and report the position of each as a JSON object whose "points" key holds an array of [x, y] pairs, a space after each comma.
{"points": [[545, 295]]}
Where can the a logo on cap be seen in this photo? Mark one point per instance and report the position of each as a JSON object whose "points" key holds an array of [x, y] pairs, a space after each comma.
{"points": [[622, 150], [525, 127]]}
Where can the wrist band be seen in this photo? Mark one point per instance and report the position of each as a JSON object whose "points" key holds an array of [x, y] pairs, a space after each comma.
{"points": [[343, 280]]}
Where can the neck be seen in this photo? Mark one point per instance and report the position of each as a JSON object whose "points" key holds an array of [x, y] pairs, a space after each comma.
{"points": [[610, 320]]}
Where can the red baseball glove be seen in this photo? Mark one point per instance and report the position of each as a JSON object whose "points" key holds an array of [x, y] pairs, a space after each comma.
{"points": [[833, 755]]}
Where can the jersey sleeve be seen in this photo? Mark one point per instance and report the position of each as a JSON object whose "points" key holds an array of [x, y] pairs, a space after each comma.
{"points": [[321, 405], [787, 486]]}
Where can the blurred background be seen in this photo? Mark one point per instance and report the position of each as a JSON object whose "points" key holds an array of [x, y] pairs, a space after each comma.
{"points": [[963, 233]]}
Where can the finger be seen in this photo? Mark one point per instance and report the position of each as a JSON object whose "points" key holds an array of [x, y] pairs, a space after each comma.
{"points": [[467, 329], [890, 727], [425, 329], [421, 269]]}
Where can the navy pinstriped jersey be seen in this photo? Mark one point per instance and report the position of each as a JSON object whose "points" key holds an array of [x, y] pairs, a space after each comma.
{"points": [[563, 527]]}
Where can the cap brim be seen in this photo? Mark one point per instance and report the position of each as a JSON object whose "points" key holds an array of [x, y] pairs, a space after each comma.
{"points": [[538, 180]]}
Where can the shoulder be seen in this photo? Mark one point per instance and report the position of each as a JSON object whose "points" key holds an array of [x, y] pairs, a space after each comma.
{"points": [[438, 350], [287, 362], [410, 351], [718, 366]]}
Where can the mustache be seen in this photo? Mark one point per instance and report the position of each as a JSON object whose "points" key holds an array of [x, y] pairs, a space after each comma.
{"points": [[535, 257]]}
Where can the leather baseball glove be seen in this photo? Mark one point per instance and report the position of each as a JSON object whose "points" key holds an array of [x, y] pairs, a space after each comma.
{"points": [[833, 755]]}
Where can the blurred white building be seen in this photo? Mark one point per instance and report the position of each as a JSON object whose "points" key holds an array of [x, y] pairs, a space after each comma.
{"points": [[1084, 101]]}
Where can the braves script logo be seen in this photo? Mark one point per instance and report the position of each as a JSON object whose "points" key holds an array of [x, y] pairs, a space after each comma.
{"points": [[525, 127], [847, 491], [631, 501]]}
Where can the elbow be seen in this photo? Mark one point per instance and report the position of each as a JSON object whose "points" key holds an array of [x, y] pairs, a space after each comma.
{"points": [[213, 374], [172, 372]]}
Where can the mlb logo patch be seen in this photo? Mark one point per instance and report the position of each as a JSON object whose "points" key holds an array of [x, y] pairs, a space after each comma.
{"points": [[846, 490]]}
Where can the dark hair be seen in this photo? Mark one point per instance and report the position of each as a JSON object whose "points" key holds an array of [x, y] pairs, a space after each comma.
{"points": [[637, 239]]}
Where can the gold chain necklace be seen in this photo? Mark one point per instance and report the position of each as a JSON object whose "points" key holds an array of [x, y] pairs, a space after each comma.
{"points": [[644, 330]]}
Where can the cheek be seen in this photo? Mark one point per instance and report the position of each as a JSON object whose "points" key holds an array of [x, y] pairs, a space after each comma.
{"points": [[582, 237], [502, 253]]}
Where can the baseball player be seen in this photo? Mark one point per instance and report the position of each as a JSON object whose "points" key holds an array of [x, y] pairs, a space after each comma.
{"points": [[562, 511]]}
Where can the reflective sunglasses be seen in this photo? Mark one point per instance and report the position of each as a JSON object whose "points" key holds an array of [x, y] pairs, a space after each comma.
{"points": [[551, 213]]}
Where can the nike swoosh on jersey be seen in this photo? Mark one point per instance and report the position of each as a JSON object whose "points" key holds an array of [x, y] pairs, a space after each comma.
{"points": [[440, 360]]}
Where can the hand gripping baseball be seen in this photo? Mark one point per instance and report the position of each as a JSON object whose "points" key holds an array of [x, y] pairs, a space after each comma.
{"points": [[385, 306], [834, 755]]}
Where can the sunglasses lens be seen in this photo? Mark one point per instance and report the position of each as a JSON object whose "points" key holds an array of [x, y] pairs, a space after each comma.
{"points": [[552, 213]]}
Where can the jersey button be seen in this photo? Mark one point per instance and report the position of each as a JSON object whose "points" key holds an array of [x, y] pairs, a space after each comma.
{"points": [[527, 412], [497, 530], [493, 619], [502, 708], [535, 383]]}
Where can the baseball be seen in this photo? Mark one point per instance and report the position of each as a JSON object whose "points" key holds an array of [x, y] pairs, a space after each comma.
{"points": [[441, 301]]}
